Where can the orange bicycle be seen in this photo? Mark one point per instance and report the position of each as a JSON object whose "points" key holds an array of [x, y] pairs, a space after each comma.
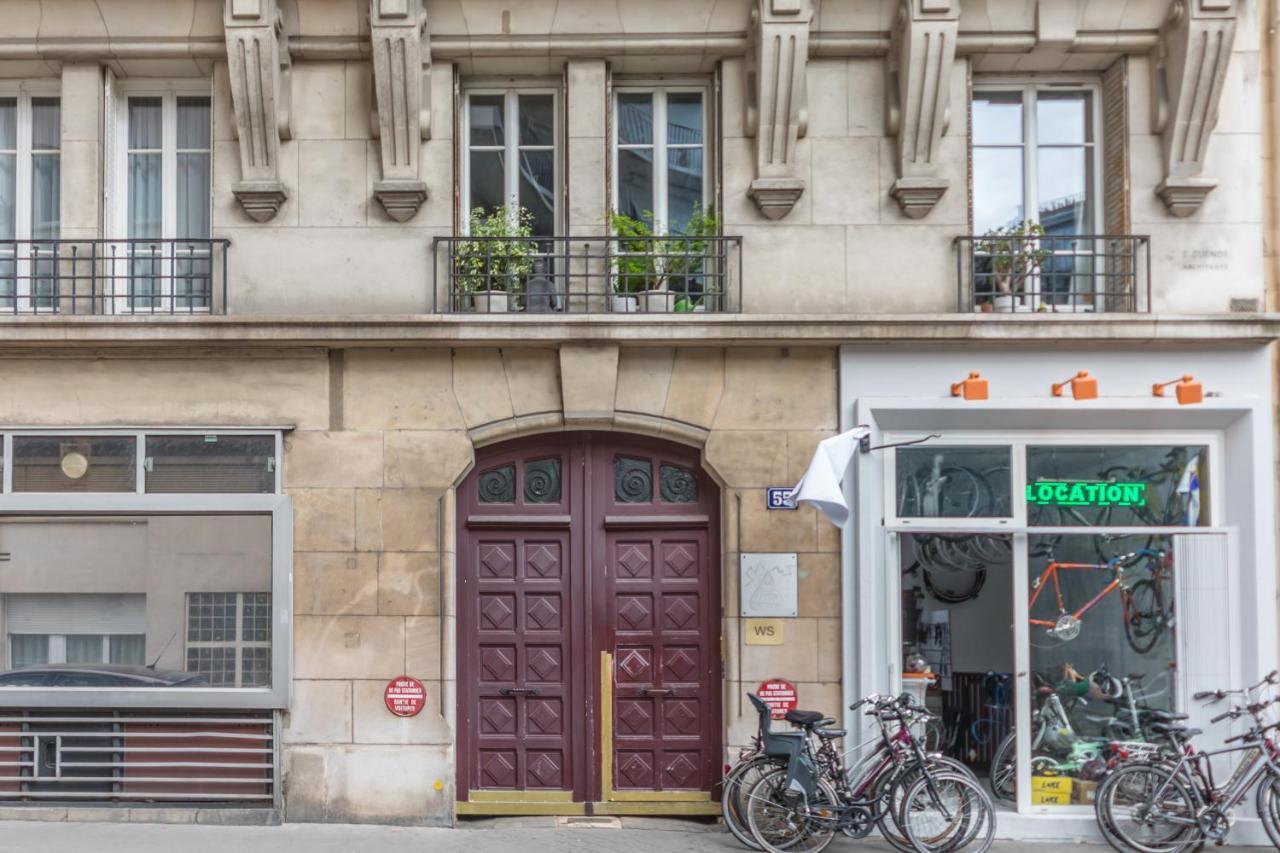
{"points": [[1145, 616]]}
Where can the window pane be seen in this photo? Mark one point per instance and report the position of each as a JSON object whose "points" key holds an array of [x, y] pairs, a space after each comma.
{"points": [[953, 482], [677, 485], [28, 650], [684, 186], [1064, 179], [537, 189], [1101, 656], [498, 486], [632, 480], [145, 123], [145, 195], [958, 646], [193, 123], [488, 180], [200, 464], [1115, 486], [635, 118], [8, 124], [160, 589], [128, 649], [635, 183], [1063, 118], [193, 195], [45, 178], [486, 118], [8, 195], [73, 463], [997, 188], [537, 119], [46, 124], [542, 481], [997, 118], [684, 118], [84, 648]]}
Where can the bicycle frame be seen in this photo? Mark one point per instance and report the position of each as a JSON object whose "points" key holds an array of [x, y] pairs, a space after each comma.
{"points": [[1197, 767]]}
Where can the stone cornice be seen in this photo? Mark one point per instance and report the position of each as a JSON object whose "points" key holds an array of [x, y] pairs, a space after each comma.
{"points": [[56, 333]]}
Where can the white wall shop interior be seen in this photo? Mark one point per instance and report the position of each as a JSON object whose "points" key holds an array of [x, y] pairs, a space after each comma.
{"points": [[1221, 572]]}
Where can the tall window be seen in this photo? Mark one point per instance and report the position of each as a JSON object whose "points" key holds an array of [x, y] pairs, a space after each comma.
{"points": [[660, 142], [511, 154], [166, 200], [30, 130], [1035, 160]]}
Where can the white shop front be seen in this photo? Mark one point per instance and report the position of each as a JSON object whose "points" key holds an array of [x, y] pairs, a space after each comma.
{"points": [[1062, 565]]}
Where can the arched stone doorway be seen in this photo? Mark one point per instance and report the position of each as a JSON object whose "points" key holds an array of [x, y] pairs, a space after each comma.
{"points": [[588, 602]]}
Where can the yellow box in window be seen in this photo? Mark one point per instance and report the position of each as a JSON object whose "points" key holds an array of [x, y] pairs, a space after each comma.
{"points": [[1051, 790]]}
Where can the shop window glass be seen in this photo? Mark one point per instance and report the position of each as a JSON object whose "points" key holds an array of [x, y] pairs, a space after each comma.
{"points": [[1117, 486], [1102, 656], [111, 594], [210, 463], [74, 463], [953, 482], [958, 646]]}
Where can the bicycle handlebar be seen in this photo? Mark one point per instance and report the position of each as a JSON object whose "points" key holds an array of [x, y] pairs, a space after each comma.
{"points": [[1227, 715]]}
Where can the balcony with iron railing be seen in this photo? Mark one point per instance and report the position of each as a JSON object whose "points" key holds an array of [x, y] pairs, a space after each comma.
{"points": [[591, 275], [133, 276], [1048, 273]]}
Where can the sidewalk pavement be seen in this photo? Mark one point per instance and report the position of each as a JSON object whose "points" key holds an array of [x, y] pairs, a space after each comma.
{"points": [[491, 836]]}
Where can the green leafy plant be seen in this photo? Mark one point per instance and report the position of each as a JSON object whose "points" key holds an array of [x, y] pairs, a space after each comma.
{"points": [[646, 260], [495, 264], [1015, 254]]}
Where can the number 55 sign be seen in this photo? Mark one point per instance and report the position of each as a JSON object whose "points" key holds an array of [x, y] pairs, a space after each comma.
{"points": [[779, 497]]}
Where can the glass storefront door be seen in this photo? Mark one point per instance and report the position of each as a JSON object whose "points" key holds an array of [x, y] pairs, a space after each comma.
{"points": [[1040, 590]]}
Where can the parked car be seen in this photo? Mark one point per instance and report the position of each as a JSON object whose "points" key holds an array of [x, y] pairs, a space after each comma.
{"points": [[98, 675]]}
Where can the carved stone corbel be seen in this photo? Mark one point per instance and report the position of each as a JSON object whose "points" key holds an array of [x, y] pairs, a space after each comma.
{"points": [[402, 88], [1188, 68], [777, 108], [922, 52], [258, 68]]}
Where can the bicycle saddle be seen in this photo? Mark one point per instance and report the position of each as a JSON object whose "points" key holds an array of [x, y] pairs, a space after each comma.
{"points": [[830, 734], [1163, 716], [1180, 731], [807, 719]]}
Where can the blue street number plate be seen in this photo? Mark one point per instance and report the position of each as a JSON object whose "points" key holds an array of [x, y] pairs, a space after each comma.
{"points": [[779, 497]]}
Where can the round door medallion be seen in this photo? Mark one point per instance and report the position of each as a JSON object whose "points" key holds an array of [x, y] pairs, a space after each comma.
{"points": [[74, 465]]}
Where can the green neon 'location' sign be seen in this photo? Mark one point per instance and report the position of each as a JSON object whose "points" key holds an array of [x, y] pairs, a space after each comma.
{"points": [[1085, 493]]}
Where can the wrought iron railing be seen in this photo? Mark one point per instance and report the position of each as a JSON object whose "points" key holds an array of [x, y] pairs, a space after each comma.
{"points": [[135, 276], [1054, 273], [536, 275], [138, 757]]}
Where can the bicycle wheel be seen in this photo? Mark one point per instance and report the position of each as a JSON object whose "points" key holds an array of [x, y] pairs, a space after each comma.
{"points": [[942, 812], [1144, 617], [783, 821], [961, 493], [1144, 807], [1004, 769], [1268, 804], [737, 783], [894, 792]]}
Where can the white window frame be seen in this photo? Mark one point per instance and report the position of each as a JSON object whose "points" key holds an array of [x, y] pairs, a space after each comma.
{"points": [[237, 644], [118, 187], [659, 144], [511, 147], [24, 91], [1030, 88], [277, 505], [1016, 528]]}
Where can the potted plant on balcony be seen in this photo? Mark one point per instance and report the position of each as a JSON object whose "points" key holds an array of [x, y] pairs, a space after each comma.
{"points": [[637, 267], [493, 267], [1013, 254], [687, 256], [661, 274]]}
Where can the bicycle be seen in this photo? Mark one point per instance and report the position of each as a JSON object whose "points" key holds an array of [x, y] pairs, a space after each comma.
{"points": [[801, 807], [1144, 615], [1174, 802]]}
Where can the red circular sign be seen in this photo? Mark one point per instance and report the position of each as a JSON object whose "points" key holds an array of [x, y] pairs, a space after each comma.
{"points": [[406, 697], [779, 695]]}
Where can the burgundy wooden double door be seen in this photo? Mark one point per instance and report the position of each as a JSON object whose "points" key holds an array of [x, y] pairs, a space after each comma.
{"points": [[569, 546]]}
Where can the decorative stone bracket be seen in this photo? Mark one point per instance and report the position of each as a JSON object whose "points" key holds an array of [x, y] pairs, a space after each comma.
{"points": [[1188, 68], [777, 109], [258, 68], [402, 84], [922, 52]]}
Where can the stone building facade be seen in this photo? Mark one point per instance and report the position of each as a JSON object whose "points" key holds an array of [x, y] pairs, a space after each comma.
{"points": [[254, 228]]}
